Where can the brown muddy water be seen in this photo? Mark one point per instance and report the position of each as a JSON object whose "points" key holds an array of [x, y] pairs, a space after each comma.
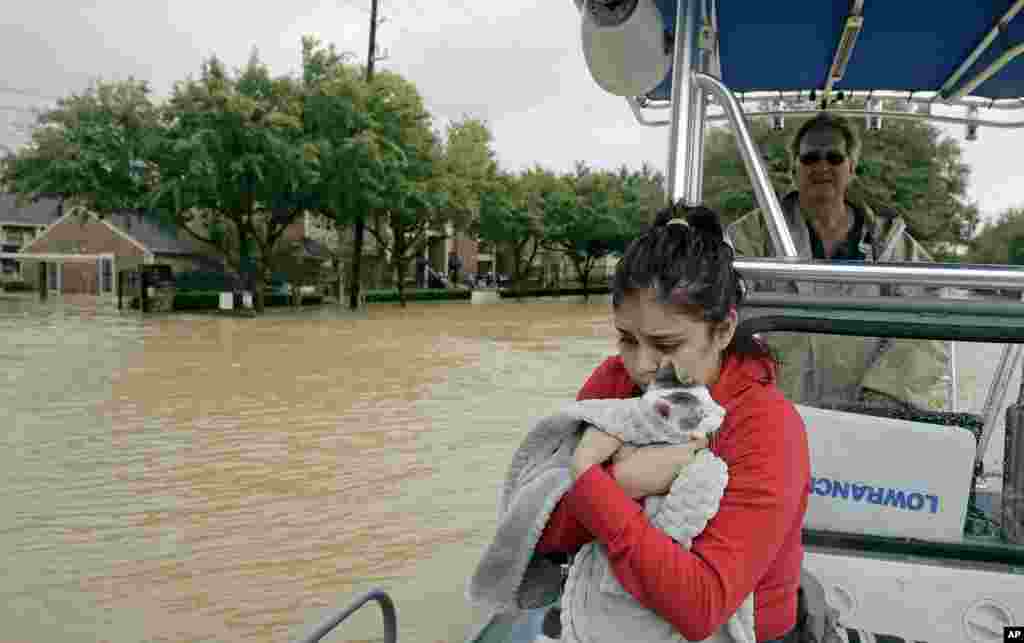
{"points": [[201, 478]]}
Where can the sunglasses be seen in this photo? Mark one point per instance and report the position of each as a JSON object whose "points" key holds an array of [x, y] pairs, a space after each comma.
{"points": [[833, 157]]}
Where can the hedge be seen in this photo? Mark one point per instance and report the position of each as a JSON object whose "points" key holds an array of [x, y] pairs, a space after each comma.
{"points": [[198, 300], [18, 286], [553, 292], [204, 280], [432, 294]]}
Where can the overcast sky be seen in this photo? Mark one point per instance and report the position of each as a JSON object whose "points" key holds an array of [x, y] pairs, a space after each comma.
{"points": [[515, 63]]}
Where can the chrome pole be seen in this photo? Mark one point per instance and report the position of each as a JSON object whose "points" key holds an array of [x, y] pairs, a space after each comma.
{"points": [[953, 402], [682, 115], [694, 189], [763, 190], [997, 395]]}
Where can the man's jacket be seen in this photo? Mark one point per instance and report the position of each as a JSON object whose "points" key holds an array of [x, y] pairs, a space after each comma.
{"points": [[824, 369]]}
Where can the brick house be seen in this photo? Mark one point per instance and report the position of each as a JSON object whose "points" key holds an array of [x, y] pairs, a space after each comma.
{"points": [[19, 226], [126, 239]]}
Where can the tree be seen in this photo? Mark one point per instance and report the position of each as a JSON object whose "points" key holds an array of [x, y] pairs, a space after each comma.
{"points": [[87, 149], [995, 241], [643, 195], [344, 136], [507, 220], [233, 169], [409, 193], [584, 219], [231, 159], [907, 168], [468, 170]]}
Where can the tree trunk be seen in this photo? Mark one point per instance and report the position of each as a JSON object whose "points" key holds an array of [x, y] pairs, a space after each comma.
{"points": [[259, 285], [517, 275], [400, 276], [357, 254], [336, 285], [585, 278], [581, 272], [398, 261]]}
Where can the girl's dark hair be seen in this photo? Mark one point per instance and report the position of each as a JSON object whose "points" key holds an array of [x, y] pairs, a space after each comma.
{"points": [[689, 266]]}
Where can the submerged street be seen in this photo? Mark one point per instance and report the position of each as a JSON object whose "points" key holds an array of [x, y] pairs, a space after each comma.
{"points": [[202, 478]]}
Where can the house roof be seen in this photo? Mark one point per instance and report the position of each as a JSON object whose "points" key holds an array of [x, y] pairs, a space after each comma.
{"points": [[159, 238], [144, 231], [39, 212]]}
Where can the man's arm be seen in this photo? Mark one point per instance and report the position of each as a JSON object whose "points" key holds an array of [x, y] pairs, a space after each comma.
{"points": [[910, 371]]}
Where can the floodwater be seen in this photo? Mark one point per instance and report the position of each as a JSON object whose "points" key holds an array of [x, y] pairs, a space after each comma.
{"points": [[202, 478]]}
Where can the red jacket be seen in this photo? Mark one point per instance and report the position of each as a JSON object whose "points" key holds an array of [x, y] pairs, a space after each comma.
{"points": [[751, 544]]}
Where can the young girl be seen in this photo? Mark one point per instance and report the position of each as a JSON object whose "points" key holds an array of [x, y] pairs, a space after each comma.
{"points": [[675, 297]]}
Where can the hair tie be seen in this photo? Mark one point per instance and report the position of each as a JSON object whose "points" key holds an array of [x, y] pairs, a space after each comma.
{"points": [[681, 222]]}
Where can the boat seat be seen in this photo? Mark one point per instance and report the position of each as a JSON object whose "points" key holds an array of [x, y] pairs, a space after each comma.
{"points": [[978, 521], [892, 473]]}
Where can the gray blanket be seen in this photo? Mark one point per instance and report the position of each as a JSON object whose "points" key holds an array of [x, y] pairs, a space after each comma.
{"points": [[595, 608]]}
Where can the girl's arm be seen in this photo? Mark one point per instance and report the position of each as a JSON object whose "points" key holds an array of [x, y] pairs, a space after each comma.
{"points": [[768, 476], [564, 533]]}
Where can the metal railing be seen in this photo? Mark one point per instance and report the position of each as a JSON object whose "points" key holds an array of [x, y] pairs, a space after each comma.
{"points": [[917, 274], [387, 608]]}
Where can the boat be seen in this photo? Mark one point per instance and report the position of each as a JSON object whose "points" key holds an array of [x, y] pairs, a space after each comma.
{"points": [[907, 532]]}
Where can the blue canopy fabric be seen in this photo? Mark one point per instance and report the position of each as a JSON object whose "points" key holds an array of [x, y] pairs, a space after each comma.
{"points": [[905, 45]]}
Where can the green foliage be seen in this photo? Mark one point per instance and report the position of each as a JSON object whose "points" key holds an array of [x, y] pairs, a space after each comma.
{"points": [[18, 286], [590, 214], [468, 170], [195, 280], [195, 300], [412, 192], [906, 168], [84, 148], [996, 240], [554, 292], [432, 294], [231, 153], [510, 218]]}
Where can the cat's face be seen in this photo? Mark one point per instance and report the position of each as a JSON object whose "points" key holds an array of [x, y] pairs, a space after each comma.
{"points": [[678, 399]]}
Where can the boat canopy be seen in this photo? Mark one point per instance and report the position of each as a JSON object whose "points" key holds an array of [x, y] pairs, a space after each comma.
{"points": [[947, 50]]}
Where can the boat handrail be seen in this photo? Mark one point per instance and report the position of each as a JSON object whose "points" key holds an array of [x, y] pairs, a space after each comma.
{"points": [[387, 608], [918, 274]]}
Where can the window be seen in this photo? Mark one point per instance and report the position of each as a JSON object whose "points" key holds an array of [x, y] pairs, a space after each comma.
{"points": [[106, 275], [53, 275]]}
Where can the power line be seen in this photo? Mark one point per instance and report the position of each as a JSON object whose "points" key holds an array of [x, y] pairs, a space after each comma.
{"points": [[7, 89], [18, 108]]}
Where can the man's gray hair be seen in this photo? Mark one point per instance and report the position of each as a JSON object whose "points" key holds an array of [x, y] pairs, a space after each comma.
{"points": [[825, 120]]}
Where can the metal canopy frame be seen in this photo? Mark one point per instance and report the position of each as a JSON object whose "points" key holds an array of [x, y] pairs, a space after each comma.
{"points": [[985, 43], [692, 86], [696, 48]]}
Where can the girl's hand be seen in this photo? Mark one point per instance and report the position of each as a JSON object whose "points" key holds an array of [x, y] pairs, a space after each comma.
{"points": [[595, 447], [650, 471]]}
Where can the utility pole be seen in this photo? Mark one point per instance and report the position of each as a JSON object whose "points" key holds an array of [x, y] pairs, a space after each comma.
{"points": [[360, 226]]}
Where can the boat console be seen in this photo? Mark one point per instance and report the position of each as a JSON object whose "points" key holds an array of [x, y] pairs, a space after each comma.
{"points": [[891, 477]]}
